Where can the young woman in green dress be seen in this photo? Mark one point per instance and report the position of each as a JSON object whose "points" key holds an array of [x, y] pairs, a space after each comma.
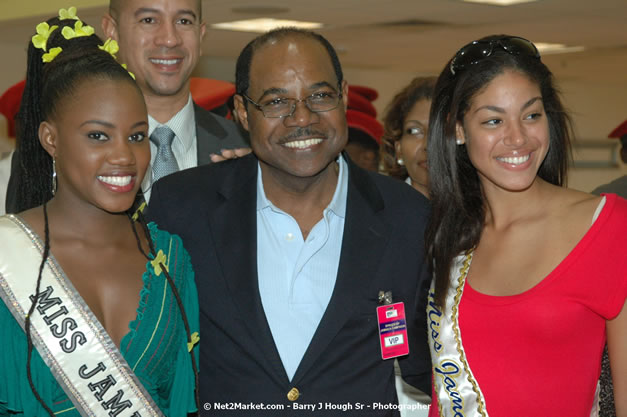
{"points": [[83, 151]]}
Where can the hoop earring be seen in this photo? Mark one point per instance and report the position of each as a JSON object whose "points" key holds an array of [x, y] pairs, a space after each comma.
{"points": [[400, 162], [54, 177]]}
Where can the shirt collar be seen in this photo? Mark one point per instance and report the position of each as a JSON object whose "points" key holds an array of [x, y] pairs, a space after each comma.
{"points": [[338, 202], [183, 124]]}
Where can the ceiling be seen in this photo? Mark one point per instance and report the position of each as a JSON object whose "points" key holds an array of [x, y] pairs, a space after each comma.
{"points": [[401, 36], [408, 35], [421, 35]]}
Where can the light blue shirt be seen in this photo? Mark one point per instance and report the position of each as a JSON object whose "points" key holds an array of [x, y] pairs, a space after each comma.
{"points": [[296, 276]]}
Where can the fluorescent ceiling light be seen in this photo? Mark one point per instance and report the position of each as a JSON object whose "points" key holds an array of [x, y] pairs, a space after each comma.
{"points": [[556, 48], [499, 2], [262, 25]]}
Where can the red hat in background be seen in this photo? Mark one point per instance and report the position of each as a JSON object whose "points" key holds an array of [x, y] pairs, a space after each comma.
{"points": [[365, 123], [10, 104], [209, 93], [369, 93], [361, 114], [620, 131], [360, 103]]}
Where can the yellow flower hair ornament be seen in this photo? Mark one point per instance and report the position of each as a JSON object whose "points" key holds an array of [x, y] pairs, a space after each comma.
{"points": [[43, 33], [111, 46], [52, 54], [195, 340], [160, 263], [78, 31], [129, 73], [69, 13], [140, 209]]}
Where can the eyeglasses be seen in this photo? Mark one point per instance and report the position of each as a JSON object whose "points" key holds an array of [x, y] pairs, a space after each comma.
{"points": [[478, 50], [285, 107]]}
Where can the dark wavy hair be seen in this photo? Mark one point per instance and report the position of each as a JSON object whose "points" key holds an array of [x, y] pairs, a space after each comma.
{"points": [[420, 88], [242, 67], [458, 206]]}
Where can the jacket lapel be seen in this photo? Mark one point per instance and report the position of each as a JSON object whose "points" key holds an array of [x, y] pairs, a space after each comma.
{"points": [[234, 228], [365, 236], [208, 130]]}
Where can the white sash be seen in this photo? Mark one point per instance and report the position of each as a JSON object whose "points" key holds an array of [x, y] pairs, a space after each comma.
{"points": [[72, 342], [456, 388]]}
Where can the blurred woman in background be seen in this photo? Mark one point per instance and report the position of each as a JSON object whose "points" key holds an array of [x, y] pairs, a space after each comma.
{"points": [[404, 150], [404, 141]]}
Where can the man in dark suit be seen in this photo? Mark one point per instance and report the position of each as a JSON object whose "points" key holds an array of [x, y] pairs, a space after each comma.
{"points": [[160, 41], [295, 247]]}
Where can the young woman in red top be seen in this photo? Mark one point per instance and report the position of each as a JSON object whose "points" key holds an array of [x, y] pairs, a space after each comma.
{"points": [[530, 277]]}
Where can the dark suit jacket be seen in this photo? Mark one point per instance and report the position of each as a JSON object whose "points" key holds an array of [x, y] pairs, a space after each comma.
{"points": [[213, 209], [213, 133]]}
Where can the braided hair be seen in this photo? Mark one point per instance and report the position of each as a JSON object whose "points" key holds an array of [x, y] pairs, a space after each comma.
{"points": [[47, 84]]}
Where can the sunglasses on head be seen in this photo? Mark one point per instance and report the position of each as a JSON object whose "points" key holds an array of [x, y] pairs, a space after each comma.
{"points": [[478, 50]]}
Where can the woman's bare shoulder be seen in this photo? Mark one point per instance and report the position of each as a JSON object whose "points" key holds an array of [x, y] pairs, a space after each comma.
{"points": [[575, 205]]}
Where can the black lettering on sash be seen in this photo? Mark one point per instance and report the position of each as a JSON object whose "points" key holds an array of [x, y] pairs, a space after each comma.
{"points": [[44, 301], [136, 414], [115, 405], [100, 388], [51, 318], [87, 375], [66, 324], [77, 337]]}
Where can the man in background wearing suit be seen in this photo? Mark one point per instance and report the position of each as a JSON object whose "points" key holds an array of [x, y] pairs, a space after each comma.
{"points": [[294, 248], [160, 41]]}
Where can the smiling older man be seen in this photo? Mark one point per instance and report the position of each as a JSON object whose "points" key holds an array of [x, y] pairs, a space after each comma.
{"points": [[297, 251]]}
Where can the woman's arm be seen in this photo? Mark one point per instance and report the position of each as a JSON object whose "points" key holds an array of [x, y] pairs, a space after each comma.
{"points": [[617, 349]]}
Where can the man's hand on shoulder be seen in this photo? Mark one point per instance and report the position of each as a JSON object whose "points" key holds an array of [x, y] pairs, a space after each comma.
{"points": [[230, 154]]}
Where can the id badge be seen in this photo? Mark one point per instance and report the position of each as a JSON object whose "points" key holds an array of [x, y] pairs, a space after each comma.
{"points": [[392, 330]]}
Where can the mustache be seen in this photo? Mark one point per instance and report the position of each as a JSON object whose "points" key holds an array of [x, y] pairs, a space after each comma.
{"points": [[303, 132]]}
